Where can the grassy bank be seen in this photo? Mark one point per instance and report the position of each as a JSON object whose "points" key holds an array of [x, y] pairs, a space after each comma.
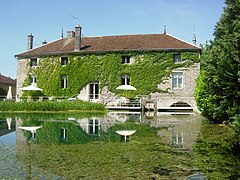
{"points": [[50, 106]]}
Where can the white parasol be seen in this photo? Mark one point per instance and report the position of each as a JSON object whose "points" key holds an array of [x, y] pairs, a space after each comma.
{"points": [[31, 88], [126, 87], [9, 94]]}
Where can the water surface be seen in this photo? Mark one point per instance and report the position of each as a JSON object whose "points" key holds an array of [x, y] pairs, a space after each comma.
{"points": [[87, 146]]}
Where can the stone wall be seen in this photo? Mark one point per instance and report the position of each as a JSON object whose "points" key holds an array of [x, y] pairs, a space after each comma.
{"points": [[22, 70], [184, 94]]}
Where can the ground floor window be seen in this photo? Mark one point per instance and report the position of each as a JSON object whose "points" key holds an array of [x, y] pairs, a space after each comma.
{"points": [[64, 81], [125, 79], [33, 80], [94, 91], [177, 80]]}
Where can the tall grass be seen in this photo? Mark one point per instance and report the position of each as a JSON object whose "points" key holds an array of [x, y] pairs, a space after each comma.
{"points": [[51, 106]]}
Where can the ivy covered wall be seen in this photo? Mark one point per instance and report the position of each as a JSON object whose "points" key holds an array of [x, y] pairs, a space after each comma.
{"points": [[148, 70]]}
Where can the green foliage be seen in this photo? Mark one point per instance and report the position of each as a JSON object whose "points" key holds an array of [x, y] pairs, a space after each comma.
{"points": [[215, 151], [51, 106], [218, 89], [147, 71]]}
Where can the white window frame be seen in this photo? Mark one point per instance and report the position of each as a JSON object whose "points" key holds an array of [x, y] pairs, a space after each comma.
{"points": [[33, 80], [126, 60], [93, 126], [64, 81], [33, 64], [176, 76], [125, 79], [177, 58], [95, 94], [64, 60]]}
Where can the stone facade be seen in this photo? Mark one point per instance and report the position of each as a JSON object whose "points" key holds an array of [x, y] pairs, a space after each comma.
{"points": [[75, 45], [22, 72], [184, 94]]}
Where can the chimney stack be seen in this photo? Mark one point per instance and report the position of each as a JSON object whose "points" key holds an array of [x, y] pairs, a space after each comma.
{"points": [[78, 33], [70, 34], [30, 41]]}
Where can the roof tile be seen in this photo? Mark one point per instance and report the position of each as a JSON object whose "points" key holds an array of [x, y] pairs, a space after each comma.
{"points": [[112, 43]]}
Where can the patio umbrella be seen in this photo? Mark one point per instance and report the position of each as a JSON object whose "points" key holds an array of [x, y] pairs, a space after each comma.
{"points": [[9, 94], [126, 87], [31, 88]]}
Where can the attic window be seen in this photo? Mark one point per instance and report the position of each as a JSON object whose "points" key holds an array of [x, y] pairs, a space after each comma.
{"points": [[33, 62], [64, 61], [177, 58], [125, 60]]}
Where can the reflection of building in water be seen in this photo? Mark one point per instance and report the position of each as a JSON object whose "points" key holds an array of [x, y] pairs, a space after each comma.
{"points": [[177, 139], [178, 130], [90, 125]]}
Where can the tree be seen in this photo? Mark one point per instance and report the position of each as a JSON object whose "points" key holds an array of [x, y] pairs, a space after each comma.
{"points": [[218, 89]]}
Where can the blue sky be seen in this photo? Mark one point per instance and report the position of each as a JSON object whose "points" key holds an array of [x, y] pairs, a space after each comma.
{"points": [[46, 18]]}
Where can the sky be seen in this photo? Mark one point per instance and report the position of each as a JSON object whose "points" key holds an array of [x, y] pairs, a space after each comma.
{"points": [[45, 19]]}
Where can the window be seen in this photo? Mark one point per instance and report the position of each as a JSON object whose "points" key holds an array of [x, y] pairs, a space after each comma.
{"points": [[33, 80], [93, 91], [93, 127], [64, 61], [177, 139], [177, 80], [177, 58], [125, 79], [33, 62], [125, 59], [64, 81]]}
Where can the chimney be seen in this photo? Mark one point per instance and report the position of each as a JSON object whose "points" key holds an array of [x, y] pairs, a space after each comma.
{"points": [[30, 41], [70, 34], [78, 33]]}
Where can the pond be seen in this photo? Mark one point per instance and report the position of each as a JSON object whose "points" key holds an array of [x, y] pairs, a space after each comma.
{"points": [[86, 146]]}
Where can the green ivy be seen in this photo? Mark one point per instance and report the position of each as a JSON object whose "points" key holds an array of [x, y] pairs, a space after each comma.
{"points": [[148, 70]]}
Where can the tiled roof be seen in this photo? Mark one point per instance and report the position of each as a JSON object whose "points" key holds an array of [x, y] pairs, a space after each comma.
{"points": [[7, 80], [112, 43]]}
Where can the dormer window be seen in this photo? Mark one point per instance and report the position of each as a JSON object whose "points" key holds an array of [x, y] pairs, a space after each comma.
{"points": [[125, 60], [33, 62], [64, 61], [177, 58]]}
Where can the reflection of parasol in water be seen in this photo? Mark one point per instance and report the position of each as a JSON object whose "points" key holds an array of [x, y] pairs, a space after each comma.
{"points": [[125, 133], [32, 129], [9, 120]]}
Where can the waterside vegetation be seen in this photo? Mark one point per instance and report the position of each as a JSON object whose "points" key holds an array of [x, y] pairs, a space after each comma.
{"points": [[218, 87], [50, 106]]}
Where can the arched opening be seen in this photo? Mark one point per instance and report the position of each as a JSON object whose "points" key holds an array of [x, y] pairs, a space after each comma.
{"points": [[180, 104]]}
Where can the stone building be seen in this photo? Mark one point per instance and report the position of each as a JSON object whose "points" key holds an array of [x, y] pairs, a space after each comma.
{"points": [[119, 60], [5, 82]]}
